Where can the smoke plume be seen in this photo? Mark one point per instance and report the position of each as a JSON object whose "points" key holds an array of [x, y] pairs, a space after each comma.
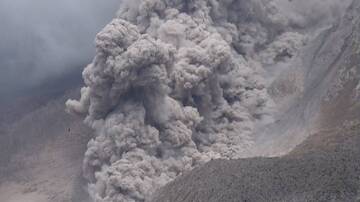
{"points": [[175, 84]]}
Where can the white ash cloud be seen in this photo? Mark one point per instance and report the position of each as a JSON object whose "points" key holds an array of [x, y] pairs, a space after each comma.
{"points": [[174, 84]]}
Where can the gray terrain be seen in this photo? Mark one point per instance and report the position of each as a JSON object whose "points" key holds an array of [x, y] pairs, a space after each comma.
{"points": [[324, 168], [41, 146]]}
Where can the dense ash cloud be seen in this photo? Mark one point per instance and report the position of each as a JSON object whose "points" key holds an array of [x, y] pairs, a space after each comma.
{"points": [[174, 84], [165, 93], [42, 39]]}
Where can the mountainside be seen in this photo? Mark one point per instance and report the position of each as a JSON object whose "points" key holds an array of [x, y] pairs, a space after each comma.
{"points": [[41, 146], [326, 174]]}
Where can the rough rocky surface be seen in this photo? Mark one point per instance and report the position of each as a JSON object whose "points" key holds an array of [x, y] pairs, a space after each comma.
{"points": [[328, 171]]}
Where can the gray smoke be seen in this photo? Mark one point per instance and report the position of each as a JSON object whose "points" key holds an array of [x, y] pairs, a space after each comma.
{"points": [[175, 84], [41, 39]]}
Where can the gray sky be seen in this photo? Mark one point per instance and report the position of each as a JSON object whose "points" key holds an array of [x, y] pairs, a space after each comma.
{"points": [[43, 38]]}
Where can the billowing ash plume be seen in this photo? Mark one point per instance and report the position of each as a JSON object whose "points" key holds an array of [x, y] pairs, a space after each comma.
{"points": [[172, 86]]}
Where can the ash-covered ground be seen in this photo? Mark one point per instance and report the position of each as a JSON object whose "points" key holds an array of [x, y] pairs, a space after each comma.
{"points": [[324, 168], [41, 146]]}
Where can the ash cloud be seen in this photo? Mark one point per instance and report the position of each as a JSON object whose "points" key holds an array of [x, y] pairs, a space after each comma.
{"points": [[42, 39], [175, 84]]}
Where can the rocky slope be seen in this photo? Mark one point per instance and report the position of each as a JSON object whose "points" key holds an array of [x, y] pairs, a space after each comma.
{"points": [[330, 173]]}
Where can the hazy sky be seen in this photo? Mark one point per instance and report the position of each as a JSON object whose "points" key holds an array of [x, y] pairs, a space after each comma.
{"points": [[44, 38]]}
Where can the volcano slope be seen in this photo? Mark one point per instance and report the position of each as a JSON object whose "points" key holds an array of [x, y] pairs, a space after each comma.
{"points": [[324, 167], [330, 172], [41, 146]]}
